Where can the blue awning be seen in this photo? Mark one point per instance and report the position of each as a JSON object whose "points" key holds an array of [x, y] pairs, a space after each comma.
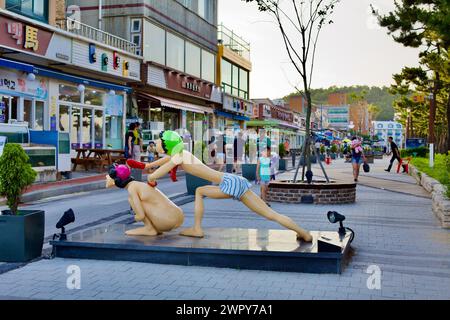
{"points": [[45, 72], [231, 116]]}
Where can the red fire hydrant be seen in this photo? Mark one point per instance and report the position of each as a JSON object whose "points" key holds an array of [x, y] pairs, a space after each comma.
{"points": [[328, 160]]}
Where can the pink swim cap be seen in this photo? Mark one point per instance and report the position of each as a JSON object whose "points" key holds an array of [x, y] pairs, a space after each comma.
{"points": [[123, 172]]}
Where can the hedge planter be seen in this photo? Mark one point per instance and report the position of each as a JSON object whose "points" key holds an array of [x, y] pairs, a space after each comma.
{"points": [[22, 235], [193, 182], [282, 165], [249, 171], [333, 156]]}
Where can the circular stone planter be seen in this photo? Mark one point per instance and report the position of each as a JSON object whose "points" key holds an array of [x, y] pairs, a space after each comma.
{"points": [[321, 192]]}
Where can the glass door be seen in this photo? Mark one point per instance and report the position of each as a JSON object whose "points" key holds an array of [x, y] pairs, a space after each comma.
{"points": [[75, 128], [98, 129], [86, 132]]}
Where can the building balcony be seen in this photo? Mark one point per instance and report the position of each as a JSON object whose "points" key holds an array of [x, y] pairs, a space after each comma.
{"points": [[230, 40], [95, 34]]}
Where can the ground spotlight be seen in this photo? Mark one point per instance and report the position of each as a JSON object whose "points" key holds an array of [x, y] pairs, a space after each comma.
{"points": [[335, 217], [67, 218]]}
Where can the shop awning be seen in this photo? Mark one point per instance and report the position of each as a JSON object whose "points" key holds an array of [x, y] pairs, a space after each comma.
{"points": [[166, 102], [45, 72], [262, 123], [231, 116]]}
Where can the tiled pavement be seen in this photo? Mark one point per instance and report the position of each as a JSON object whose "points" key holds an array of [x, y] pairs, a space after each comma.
{"points": [[394, 231]]}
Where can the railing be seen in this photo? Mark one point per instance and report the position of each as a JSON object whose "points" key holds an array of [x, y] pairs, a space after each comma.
{"points": [[87, 31], [232, 41]]}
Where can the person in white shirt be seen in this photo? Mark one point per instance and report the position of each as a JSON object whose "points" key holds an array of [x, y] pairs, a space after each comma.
{"points": [[274, 161]]}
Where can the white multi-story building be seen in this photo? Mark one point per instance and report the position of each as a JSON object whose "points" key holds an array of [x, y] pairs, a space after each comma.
{"points": [[385, 129]]}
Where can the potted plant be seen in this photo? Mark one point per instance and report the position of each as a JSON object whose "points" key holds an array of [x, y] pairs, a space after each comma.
{"points": [[193, 182], [282, 153], [21, 231], [322, 152], [248, 168], [370, 157], [333, 151]]}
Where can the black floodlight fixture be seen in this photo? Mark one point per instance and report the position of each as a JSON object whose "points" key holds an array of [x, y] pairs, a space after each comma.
{"points": [[335, 217], [67, 218]]}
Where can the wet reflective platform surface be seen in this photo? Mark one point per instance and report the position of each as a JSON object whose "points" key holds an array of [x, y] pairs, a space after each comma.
{"points": [[276, 250]]}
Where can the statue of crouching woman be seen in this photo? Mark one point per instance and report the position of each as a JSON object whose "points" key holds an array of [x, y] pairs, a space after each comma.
{"points": [[152, 207]]}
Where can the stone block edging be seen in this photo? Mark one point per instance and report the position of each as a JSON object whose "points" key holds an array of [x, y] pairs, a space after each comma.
{"points": [[440, 202]]}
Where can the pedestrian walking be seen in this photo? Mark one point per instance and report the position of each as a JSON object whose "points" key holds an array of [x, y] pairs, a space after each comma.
{"points": [[263, 173], [137, 145], [358, 157], [395, 154], [129, 141]]}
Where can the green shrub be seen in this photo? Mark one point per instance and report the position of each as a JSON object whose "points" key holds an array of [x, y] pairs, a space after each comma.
{"points": [[420, 152], [440, 172], [322, 149], [334, 148], [15, 174], [282, 150]]}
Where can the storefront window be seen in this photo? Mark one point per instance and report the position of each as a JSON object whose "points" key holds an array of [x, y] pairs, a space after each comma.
{"points": [[155, 47], [243, 80], [27, 112], [156, 115], [113, 127], [86, 139], [69, 93], [64, 118], [175, 52], [171, 120], [39, 115], [193, 59], [75, 133], [98, 128], [208, 66], [235, 76], [93, 97]]}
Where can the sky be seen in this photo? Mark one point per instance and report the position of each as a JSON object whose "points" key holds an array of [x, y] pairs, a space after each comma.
{"points": [[353, 50]]}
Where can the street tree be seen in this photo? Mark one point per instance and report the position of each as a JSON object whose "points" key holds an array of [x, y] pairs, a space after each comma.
{"points": [[300, 23]]}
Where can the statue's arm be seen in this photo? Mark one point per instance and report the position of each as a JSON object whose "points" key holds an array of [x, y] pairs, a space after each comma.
{"points": [[157, 163], [137, 206], [174, 161]]}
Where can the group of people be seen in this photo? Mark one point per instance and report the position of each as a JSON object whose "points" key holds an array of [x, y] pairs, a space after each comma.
{"points": [[134, 144], [358, 157]]}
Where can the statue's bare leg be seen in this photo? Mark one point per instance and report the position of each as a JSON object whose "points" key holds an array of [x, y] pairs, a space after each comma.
{"points": [[213, 192], [256, 204], [147, 230]]}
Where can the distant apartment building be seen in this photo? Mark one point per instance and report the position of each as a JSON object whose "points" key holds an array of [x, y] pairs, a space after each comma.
{"points": [[178, 42], [385, 129]]}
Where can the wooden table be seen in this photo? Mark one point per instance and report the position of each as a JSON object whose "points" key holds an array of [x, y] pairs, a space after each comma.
{"points": [[100, 158]]}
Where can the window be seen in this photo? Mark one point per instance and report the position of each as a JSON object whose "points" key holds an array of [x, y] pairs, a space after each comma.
{"points": [[193, 59], [235, 76], [155, 46], [136, 39], [175, 52], [243, 80], [69, 93], [201, 8], [208, 66], [27, 113], [136, 25], [39, 115], [93, 97], [226, 72], [35, 9], [64, 118]]}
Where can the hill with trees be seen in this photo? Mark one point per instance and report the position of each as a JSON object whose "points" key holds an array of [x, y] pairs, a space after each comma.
{"points": [[379, 97]]}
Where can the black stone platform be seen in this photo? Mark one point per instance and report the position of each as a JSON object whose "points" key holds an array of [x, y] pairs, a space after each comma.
{"points": [[276, 250]]}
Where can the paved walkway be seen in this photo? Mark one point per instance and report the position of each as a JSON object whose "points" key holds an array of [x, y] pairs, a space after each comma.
{"points": [[395, 233]]}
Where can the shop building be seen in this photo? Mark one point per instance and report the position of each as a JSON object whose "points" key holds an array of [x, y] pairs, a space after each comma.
{"points": [[233, 76], [66, 82], [178, 42]]}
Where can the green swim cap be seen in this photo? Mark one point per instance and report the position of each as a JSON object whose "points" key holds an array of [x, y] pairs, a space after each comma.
{"points": [[172, 143]]}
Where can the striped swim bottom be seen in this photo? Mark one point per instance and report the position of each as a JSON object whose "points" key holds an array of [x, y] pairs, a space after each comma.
{"points": [[234, 185]]}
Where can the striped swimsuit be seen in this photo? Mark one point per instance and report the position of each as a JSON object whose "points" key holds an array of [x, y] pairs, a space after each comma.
{"points": [[234, 185]]}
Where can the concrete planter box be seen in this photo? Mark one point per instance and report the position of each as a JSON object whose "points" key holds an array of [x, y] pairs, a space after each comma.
{"points": [[193, 182], [249, 171], [440, 202], [21, 236], [370, 159]]}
